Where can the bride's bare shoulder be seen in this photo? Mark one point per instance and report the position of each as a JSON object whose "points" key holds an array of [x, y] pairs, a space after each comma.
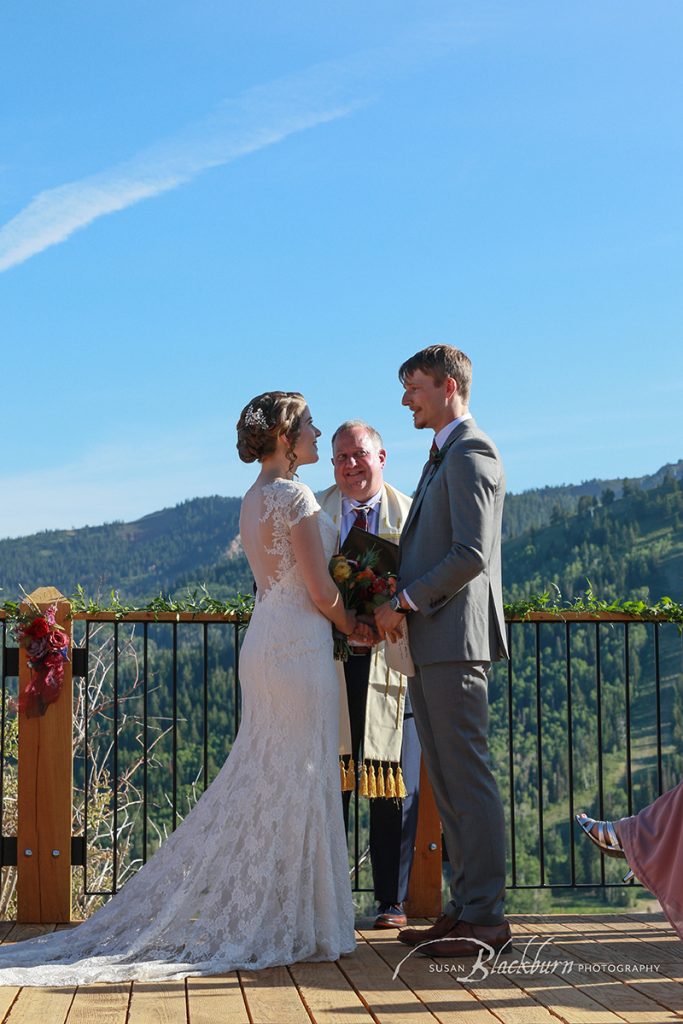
{"points": [[252, 504], [253, 494]]}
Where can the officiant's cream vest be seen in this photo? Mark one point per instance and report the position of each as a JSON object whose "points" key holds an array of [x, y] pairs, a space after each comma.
{"points": [[379, 772]]}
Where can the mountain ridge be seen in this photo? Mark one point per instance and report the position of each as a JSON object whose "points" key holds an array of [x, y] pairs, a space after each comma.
{"points": [[623, 533]]}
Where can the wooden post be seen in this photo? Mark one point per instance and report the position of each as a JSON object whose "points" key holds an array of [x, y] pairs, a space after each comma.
{"points": [[45, 791], [424, 894]]}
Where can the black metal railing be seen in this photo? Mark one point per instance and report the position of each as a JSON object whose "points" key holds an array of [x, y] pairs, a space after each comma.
{"points": [[587, 714], [143, 726]]}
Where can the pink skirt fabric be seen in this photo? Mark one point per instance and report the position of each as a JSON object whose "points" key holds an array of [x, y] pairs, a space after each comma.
{"points": [[653, 844]]}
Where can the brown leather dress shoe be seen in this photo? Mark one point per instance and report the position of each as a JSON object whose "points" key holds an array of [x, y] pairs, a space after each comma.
{"points": [[391, 915], [441, 927], [459, 941]]}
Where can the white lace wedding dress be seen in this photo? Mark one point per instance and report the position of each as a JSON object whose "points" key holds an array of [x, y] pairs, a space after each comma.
{"points": [[257, 874]]}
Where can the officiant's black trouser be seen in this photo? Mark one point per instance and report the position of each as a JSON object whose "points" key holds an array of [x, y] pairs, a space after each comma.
{"points": [[393, 823]]}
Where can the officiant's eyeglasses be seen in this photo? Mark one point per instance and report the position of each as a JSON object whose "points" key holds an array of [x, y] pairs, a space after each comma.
{"points": [[343, 457]]}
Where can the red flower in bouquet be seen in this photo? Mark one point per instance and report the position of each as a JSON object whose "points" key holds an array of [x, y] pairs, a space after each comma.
{"points": [[364, 575], [58, 640], [37, 629]]}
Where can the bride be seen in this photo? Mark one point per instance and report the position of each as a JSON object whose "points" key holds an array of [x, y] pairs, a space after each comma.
{"points": [[257, 874]]}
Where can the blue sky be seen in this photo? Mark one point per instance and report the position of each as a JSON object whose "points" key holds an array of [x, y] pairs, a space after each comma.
{"points": [[202, 201]]}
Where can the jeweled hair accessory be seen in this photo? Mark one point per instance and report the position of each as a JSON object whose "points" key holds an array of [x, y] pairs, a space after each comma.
{"points": [[255, 418]]}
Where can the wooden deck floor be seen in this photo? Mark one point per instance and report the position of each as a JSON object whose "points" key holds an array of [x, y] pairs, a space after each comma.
{"points": [[592, 970]]}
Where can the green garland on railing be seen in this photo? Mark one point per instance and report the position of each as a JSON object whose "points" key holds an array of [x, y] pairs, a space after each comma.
{"points": [[588, 604], [194, 601], [200, 601]]}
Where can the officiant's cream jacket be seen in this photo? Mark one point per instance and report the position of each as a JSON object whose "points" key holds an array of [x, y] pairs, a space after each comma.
{"points": [[386, 688]]}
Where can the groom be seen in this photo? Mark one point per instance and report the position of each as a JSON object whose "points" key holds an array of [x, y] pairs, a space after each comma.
{"points": [[450, 580]]}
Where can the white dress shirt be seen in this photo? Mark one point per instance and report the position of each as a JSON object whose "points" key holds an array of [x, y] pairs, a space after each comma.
{"points": [[442, 436]]}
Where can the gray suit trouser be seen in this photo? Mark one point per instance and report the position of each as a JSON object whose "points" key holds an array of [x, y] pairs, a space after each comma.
{"points": [[450, 703]]}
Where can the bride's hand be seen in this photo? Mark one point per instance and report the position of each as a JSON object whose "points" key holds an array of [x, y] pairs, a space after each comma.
{"points": [[363, 632], [351, 623], [366, 627]]}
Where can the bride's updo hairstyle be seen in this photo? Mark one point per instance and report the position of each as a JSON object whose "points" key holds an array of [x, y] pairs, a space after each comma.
{"points": [[263, 420]]}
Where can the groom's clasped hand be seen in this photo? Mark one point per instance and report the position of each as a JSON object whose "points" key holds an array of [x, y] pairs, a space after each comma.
{"points": [[369, 632]]}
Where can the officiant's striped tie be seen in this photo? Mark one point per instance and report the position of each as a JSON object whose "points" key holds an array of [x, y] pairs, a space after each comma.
{"points": [[362, 516]]}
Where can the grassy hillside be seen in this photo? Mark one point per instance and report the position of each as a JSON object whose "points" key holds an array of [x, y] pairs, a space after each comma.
{"points": [[537, 508], [167, 550], [630, 547]]}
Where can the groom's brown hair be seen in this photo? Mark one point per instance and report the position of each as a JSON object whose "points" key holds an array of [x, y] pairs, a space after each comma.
{"points": [[439, 362]]}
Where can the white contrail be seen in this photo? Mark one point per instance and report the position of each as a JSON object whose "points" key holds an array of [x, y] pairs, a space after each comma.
{"points": [[260, 118]]}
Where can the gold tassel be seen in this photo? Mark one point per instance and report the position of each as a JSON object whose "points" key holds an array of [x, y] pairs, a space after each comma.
{"points": [[351, 775], [372, 781], [390, 787], [380, 781], [363, 790], [342, 775], [401, 790]]}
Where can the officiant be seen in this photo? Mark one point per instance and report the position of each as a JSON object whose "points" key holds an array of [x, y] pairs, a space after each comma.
{"points": [[379, 745]]}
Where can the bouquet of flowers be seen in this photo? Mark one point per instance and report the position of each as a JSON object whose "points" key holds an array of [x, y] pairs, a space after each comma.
{"points": [[363, 588], [47, 648]]}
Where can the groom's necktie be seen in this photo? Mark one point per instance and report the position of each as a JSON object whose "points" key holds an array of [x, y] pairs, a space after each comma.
{"points": [[362, 516], [427, 469]]}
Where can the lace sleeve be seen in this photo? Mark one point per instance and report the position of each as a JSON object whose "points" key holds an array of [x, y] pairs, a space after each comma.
{"points": [[303, 504], [286, 504]]}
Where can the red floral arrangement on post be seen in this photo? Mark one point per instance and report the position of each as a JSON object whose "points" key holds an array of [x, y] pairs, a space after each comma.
{"points": [[47, 648]]}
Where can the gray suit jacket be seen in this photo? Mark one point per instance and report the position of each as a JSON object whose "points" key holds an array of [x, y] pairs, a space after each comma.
{"points": [[450, 560]]}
